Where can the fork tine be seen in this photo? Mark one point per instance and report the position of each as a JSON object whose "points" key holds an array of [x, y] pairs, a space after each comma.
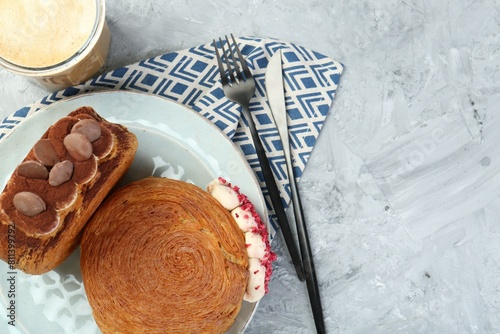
{"points": [[246, 70], [231, 75], [222, 73], [236, 67]]}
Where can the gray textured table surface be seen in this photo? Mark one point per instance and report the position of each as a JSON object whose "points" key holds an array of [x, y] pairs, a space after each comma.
{"points": [[402, 189]]}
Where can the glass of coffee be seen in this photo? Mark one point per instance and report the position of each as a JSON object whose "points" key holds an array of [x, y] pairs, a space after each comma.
{"points": [[60, 43]]}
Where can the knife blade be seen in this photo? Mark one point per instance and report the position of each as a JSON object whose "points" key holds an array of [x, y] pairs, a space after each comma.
{"points": [[276, 98]]}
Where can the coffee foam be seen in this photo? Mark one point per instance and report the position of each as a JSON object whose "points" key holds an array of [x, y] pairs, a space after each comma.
{"points": [[42, 33]]}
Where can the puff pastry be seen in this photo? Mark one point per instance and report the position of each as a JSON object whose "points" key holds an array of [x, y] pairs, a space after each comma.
{"points": [[62, 180], [163, 256]]}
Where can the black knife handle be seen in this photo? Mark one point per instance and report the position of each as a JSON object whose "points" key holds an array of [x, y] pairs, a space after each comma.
{"points": [[274, 194], [307, 257]]}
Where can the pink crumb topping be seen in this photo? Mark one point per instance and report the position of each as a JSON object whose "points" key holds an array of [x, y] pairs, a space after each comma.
{"points": [[260, 229]]}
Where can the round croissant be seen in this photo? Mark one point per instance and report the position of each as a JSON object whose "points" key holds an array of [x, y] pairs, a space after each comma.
{"points": [[163, 256]]}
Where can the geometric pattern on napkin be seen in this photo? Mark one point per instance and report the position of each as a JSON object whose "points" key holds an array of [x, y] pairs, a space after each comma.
{"points": [[191, 77]]}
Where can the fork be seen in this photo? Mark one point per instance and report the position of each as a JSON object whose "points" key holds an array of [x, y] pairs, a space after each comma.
{"points": [[240, 89]]}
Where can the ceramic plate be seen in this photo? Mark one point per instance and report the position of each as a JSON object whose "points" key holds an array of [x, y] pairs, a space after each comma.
{"points": [[174, 142]]}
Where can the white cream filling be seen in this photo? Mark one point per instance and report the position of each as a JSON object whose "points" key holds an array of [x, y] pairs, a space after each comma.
{"points": [[255, 288], [256, 247], [225, 195], [244, 219]]}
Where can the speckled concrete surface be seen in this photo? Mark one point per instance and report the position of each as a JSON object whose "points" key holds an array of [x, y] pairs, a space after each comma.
{"points": [[402, 192]]}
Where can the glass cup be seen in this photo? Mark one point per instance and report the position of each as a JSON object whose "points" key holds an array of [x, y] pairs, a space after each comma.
{"points": [[59, 43]]}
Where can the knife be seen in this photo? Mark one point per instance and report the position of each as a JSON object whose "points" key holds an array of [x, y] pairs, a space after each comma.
{"points": [[276, 98]]}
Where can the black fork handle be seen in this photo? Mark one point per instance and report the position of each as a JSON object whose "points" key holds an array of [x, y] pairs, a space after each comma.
{"points": [[274, 194]]}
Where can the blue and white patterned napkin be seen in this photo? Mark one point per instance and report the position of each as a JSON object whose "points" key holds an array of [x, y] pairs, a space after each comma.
{"points": [[191, 77]]}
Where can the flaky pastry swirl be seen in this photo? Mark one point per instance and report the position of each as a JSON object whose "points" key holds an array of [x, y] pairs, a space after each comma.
{"points": [[163, 256]]}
